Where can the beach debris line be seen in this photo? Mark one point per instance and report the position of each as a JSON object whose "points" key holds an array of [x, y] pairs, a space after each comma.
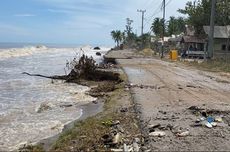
{"points": [[119, 139], [156, 87]]}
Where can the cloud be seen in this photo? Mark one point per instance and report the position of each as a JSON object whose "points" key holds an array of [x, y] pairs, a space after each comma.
{"points": [[24, 15], [60, 11], [87, 22]]}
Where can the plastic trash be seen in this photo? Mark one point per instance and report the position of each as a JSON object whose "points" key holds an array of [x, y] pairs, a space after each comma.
{"points": [[157, 134], [210, 119], [183, 134], [218, 119], [208, 125], [117, 138], [214, 124]]}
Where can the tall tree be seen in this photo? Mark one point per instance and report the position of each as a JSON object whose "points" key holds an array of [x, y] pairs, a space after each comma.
{"points": [[157, 27], [117, 36], [130, 36], [176, 25], [199, 13]]}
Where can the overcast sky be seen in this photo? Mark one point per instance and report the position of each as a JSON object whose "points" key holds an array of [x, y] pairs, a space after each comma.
{"points": [[76, 21]]}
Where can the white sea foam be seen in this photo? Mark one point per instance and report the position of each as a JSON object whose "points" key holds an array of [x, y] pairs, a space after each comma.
{"points": [[21, 95], [26, 51], [26, 124]]}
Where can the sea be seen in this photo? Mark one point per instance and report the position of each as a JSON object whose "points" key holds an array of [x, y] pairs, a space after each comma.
{"points": [[35, 108]]}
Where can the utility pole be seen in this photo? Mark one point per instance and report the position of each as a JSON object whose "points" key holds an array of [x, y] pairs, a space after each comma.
{"points": [[162, 51], [211, 31], [142, 22]]}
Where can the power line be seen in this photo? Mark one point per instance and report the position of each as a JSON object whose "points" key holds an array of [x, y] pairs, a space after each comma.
{"points": [[157, 11]]}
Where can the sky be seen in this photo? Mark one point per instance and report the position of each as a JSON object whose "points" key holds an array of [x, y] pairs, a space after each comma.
{"points": [[76, 21]]}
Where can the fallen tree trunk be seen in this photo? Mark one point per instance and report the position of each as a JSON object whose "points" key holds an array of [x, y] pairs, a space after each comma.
{"points": [[48, 77], [84, 69]]}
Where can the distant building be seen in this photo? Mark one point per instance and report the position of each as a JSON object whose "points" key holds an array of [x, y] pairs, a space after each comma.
{"points": [[221, 37], [191, 44]]}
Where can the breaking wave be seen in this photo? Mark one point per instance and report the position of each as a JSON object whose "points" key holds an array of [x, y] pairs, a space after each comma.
{"points": [[26, 51]]}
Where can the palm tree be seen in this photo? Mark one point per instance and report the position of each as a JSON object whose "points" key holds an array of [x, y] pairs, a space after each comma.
{"points": [[117, 37], [157, 27], [176, 25]]}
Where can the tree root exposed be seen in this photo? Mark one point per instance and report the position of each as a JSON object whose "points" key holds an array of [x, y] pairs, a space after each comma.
{"points": [[84, 69]]}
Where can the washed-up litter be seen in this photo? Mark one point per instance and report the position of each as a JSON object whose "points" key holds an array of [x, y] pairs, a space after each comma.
{"points": [[207, 124], [207, 117], [210, 119], [117, 138], [157, 134], [144, 86], [153, 127], [214, 124], [218, 119], [183, 134]]}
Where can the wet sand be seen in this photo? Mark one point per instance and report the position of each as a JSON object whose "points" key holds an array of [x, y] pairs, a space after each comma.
{"points": [[89, 110]]}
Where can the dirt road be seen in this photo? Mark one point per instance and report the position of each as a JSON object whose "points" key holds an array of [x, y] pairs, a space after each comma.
{"points": [[164, 91]]}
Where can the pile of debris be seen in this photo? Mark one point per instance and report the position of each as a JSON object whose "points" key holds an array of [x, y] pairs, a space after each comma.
{"points": [[107, 66], [159, 130], [156, 87], [209, 118], [117, 139], [204, 118]]}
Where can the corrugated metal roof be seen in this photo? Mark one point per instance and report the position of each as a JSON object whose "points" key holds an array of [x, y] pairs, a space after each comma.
{"points": [[219, 31], [193, 39]]}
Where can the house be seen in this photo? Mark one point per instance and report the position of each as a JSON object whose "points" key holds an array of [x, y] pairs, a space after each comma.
{"points": [[193, 45], [221, 40]]}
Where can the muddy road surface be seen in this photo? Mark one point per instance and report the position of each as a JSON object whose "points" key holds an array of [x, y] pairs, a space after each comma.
{"points": [[180, 108]]}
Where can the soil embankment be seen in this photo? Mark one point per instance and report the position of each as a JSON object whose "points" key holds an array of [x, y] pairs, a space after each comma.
{"points": [[108, 130]]}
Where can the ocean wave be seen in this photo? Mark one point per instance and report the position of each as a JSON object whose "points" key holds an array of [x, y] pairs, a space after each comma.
{"points": [[26, 51]]}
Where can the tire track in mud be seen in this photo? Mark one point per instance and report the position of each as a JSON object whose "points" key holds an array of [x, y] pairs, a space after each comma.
{"points": [[172, 87], [208, 94]]}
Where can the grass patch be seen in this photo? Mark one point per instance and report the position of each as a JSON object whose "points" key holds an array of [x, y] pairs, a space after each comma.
{"points": [[87, 135], [215, 65], [30, 148]]}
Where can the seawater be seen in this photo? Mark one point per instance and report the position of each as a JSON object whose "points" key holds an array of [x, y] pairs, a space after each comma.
{"points": [[21, 122]]}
